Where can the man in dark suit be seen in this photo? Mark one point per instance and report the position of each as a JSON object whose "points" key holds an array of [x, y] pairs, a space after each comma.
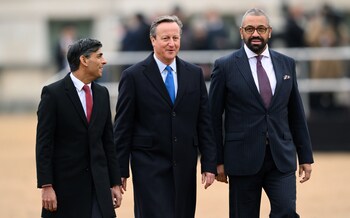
{"points": [[160, 132], [264, 123], [77, 166]]}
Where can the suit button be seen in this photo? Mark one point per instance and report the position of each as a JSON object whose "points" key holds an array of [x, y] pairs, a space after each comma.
{"points": [[174, 163], [175, 139], [173, 114]]}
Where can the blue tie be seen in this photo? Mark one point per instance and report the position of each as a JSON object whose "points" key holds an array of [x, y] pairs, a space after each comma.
{"points": [[169, 83]]}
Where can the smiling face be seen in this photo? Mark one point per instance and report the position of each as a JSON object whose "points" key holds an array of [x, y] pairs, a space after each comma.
{"points": [[94, 64], [258, 39], [166, 42]]}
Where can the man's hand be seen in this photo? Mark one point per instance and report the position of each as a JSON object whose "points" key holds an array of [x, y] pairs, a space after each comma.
{"points": [[116, 195], [221, 177], [48, 198], [305, 169], [208, 179], [124, 181]]}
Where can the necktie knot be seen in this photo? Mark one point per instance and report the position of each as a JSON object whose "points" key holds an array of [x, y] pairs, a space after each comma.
{"points": [[86, 88], [168, 69], [259, 57]]}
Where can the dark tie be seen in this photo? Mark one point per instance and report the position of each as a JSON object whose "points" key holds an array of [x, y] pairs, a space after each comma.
{"points": [[88, 99], [169, 83], [264, 83]]}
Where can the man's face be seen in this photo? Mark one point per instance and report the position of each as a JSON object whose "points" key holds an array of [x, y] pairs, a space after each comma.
{"points": [[166, 44], [95, 64], [255, 33]]}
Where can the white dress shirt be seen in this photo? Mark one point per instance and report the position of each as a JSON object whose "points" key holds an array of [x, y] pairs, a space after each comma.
{"points": [[267, 65], [81, 93], [164, 72]]}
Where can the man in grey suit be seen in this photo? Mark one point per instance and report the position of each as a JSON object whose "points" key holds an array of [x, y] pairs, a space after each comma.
{"points": [[161, 131], [76, 159], [256, 90]]}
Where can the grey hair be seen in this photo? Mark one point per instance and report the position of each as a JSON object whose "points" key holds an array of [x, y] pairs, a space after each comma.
{"points": [[255, 12], [164, 19]]}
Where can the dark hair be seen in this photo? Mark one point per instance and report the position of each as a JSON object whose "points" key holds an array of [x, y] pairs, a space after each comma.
{"points": [[164, 19], [81, 47]]}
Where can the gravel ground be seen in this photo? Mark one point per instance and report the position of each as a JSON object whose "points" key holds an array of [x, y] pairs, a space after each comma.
{"points": [[326, 195]]}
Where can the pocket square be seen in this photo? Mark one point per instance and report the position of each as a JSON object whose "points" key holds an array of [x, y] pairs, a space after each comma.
{"points": [[285, 77]]}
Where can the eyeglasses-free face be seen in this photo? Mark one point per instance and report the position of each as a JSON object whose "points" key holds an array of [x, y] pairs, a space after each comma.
{"points": [[251, 29]]}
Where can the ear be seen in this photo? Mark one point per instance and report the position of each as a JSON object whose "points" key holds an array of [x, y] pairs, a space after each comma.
{"points": [[83, 60], [241, 32], [152, 40]]}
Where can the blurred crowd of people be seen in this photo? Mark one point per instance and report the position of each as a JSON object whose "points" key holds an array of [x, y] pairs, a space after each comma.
{"points": [[208, 31], [322, 27]]}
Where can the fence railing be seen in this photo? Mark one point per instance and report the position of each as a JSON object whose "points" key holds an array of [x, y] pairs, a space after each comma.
{"points": [[303, 56]]}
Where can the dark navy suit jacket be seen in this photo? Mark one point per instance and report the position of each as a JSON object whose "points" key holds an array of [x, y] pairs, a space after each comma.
{"points": [[242, 139], [73, 155], [162, 140]]}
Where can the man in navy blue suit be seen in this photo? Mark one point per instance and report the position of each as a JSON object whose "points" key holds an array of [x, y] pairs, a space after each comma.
{"points": [[159, 132], [265, 129]]}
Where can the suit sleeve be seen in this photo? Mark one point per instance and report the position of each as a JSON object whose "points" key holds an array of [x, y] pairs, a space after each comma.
{"points": [[45, 138], [207, 144], [217, 102], [110, 149], [123, 122], [298, 124]]}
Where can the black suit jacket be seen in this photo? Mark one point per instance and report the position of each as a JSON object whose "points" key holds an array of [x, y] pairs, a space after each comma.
{"points": [[73, 155], [163, 139], [247, 122]]}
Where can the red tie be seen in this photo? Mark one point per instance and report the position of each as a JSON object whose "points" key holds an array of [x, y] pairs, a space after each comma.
{"points": [[88, 99]]}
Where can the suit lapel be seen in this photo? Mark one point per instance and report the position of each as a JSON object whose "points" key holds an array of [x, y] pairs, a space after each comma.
{"points": [[153, 75], [279, 70], [244, 68], [97, 100], [73, 96], [181, 80]]}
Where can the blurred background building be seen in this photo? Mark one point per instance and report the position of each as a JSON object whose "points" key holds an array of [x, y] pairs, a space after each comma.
{"points": [[35, 35]]}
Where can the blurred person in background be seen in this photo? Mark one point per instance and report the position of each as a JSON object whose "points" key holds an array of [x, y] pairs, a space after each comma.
{"points": [[326, 29], [160, 131], [76, 160], [136, 34], [66, 38], [264, 124], [294, 33]]}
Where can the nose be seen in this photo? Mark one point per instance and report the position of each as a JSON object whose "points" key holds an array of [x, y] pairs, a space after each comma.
{"points": [[255, 33], [104, 60], [171, 42]]}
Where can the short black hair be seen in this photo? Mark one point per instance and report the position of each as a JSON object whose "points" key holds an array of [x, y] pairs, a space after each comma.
{"points": [[80, 47]]}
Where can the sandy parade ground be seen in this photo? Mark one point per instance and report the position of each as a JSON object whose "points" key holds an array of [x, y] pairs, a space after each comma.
{"points": [[326, 195]]}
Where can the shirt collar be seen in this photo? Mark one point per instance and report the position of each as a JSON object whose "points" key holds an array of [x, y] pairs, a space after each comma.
{"points": [[77, 83], [162, 66], [251, 54]]}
